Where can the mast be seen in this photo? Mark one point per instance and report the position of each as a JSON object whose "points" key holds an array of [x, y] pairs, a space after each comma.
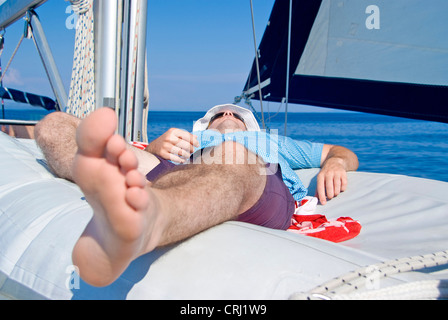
{"points": [[120, 52], [105, 26]]}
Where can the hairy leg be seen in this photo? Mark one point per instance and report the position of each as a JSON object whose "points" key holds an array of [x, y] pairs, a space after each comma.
{"points": [[131, 219], [211, 192], [55, 135]]}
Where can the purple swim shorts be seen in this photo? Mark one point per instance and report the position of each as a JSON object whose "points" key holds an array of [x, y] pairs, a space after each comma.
{"points": [[273, 210]]}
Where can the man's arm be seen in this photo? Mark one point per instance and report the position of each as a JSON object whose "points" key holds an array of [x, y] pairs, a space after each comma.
{"points": [[332, 179], [176, 145]]}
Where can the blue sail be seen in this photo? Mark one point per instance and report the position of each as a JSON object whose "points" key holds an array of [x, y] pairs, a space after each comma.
{"points": [[386, 56], [29, 98]]}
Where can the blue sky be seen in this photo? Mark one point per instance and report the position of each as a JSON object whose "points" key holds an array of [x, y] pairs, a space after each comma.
{"points": [[199, 51]]}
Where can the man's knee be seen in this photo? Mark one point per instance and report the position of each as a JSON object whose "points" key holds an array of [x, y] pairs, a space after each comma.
{"points": [[52, 125]]}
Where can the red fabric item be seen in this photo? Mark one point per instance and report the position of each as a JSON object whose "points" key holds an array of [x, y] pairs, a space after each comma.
{"points": [[318, 226], [139, 145]]}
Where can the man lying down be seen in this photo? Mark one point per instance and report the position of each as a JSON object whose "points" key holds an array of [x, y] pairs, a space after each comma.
{"points": [[227, 169]]}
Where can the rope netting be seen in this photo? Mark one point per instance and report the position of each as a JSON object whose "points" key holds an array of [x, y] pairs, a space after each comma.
{"points": [[81, 100]]}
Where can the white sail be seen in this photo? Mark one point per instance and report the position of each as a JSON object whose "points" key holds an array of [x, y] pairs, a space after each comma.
{"points": [[399, 41], [386, 56]]}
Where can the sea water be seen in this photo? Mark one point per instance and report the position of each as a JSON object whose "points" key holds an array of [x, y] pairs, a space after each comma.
{"points": [[383, 144]]}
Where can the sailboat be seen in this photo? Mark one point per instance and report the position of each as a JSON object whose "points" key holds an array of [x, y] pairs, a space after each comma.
{"points": [[344, 54]]}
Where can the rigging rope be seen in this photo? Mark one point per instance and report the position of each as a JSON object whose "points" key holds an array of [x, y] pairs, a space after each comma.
{"points": [[145, 105], [80, 6], [257, 64], [347, 286], [288, 62], [81, 100], [2, 42], [248, 101], [12, 57], [133, 71]]}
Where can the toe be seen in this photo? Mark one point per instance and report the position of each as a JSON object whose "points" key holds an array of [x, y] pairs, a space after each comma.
{"points": [[115, 148], [94, 132], [137, 198], [135, 179], [127, 161]]}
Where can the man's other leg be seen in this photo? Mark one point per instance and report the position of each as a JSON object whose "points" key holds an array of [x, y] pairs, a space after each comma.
{"points": [[225, 182], [55, 135]]}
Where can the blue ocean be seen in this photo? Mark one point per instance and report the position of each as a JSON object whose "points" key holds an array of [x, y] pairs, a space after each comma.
{"points": [[383, 144]]}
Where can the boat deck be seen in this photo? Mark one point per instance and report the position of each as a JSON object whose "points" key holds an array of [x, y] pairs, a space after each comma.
{"points": [[41, 217]]}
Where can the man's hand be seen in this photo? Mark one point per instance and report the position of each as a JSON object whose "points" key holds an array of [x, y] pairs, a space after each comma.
{"points": [[176, 145], [332, 179]]}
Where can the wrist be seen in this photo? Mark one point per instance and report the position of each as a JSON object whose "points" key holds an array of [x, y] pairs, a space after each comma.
{"points": [[335, 161]]}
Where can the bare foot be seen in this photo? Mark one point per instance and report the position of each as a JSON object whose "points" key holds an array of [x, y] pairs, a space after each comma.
{"points": [[125, 211]]}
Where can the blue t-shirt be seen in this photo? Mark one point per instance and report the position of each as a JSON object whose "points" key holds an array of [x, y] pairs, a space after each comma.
{"points": [[288, 153]]}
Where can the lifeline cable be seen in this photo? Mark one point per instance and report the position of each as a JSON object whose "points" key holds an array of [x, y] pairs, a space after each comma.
{"points": [[346, 286]]}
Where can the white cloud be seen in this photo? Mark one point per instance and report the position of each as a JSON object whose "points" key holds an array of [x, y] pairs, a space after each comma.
{"points": [[33, 84], [12, 77]]}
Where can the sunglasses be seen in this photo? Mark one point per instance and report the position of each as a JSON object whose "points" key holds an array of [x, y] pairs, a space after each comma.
{"points": [[221, 114]]}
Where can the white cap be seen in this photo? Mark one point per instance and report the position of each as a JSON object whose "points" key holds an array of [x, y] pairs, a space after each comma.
{"points": [[249, 118]]}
